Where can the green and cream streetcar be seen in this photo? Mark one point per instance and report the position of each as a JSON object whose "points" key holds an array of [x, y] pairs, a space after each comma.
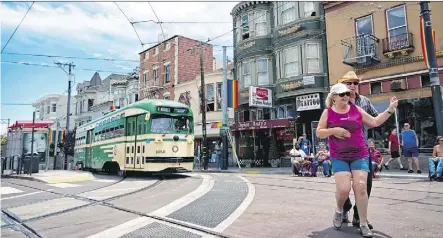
{"points": [[150, 135]]}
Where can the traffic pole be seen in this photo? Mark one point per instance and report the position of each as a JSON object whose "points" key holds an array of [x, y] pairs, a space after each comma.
{"points": [[224, 164], [437, 99], [204, 144], [32, 143]]}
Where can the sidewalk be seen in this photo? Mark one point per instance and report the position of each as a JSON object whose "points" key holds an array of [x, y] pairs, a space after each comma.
{"points": [[55, 176], [288, 171]]}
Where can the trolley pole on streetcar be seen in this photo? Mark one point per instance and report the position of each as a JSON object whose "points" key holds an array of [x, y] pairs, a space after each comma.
{"points": [[204, 144], [70, 65], [432, 65], [224, 162]]}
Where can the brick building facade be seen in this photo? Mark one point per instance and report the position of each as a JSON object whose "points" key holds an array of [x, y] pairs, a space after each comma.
{"points": [[169, 63]]}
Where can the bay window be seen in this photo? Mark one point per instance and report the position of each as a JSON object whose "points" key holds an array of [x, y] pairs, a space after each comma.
{"points": [[245, 26], [289, 12], [313, 57], [309, 9], [260, 23], [238, 29], [291, 61], [246, 74], [262, 72]]}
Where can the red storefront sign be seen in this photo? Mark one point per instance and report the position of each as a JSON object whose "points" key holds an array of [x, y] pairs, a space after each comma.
{"points": [[262, 124]]}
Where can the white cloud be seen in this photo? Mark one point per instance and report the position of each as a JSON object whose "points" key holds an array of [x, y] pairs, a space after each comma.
{"points": [[103, 26]]}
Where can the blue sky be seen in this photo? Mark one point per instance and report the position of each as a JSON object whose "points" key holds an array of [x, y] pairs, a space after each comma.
{"points": [[90, 29]]}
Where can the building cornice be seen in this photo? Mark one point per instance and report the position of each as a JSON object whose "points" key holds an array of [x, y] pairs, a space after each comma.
{"points": [[242, 5]]}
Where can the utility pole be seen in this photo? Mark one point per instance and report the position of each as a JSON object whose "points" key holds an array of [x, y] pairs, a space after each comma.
{"points": [[47, 149], [32, 143], [204, 144], [70, 65], [224, 164], [432, 65]]}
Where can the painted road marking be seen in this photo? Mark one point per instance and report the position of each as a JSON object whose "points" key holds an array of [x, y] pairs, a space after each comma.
{"points": [[46, 207], [23, 195], [140, 222], [64, 185], [104, 180], [9, 190], [240, 209], [70, 180]]}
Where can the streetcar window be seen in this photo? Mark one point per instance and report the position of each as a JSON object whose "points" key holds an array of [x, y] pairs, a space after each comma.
{"points": [[132, 149], [138, 160], [143, 149], [138, 149], [127, 160], [169, 124], [132, 160], [127, 149]]}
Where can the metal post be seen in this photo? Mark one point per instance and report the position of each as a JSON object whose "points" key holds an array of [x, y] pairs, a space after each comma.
{"points": [[55, 144], [203, 109], [32, 142], [224, 164], [65, 167], [433, 70], [397, 127], [47, 149]]}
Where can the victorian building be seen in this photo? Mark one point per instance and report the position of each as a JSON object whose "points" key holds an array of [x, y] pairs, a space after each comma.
{"points": [[381, 43], [281, 69]]}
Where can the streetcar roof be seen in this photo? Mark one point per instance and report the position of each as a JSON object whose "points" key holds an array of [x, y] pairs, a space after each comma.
{"points": [[145, 104]]}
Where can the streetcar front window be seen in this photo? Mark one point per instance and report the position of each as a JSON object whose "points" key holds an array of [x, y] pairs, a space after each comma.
{"points": [[169, 124]]}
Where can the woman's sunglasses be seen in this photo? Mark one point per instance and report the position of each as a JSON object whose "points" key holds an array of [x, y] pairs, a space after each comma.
{"points": [[344, 94], [350, 83]]}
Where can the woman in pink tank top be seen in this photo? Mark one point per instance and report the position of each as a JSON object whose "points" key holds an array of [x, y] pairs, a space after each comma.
{"points": [[342, 123]]}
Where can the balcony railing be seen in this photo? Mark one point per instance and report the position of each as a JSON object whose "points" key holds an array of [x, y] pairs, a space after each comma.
{"points": [[403, 42], [360, 50]]}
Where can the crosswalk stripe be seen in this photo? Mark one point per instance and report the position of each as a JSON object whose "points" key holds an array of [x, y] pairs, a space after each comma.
{"points": [[64, 185], [9, 190]]}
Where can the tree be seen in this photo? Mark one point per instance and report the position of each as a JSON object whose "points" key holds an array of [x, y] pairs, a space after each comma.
{"points": [[4, 140], [69, 143]]}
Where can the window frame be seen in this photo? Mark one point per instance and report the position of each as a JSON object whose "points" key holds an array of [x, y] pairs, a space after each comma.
{"points": [[295, 11], [397, 27], [218, 86], [314, 9], [297, 62], [167, 73], [361, 18], [258, 70], [243, 73], [317, 57], [265, 21]]}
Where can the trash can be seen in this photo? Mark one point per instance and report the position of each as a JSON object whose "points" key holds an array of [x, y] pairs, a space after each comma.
{"points": [[27, 164]]}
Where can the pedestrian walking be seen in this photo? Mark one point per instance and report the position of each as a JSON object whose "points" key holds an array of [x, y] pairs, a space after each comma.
{"points": [[409, 142], [352, 81], [342, 123], [393, 149]]}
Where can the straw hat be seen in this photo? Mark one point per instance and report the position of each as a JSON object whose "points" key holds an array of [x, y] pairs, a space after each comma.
{"points": [[349, 76]]}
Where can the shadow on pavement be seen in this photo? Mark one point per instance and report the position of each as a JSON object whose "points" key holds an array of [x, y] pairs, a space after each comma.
{"points": [[344, 232]]}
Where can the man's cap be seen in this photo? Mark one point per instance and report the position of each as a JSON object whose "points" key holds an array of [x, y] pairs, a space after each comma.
{"points": [[339, 88], [349, 76]]}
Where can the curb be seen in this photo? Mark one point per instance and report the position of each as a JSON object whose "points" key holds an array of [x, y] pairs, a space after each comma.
{"points": [[23, 178], [398, 176]]}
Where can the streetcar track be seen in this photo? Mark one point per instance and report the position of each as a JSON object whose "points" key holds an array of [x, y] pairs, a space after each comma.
{"points": [[19, 225], [333, 183], [105, 203]]}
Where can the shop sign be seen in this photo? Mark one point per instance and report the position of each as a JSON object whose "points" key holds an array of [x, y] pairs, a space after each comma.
{"points": [[291, 85], [261, 124], [289, 30], [246, 45], [308, 102], [260, 97]]}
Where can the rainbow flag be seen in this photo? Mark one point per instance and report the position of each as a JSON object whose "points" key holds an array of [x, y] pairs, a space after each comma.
{"points": [[423, 41], [232, 93], [216, 125]]}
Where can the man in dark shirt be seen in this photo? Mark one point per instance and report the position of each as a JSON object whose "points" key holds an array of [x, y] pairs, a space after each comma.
{"points": [[352, 81]]}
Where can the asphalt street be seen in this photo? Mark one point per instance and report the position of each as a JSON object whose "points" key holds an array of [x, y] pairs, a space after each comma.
{"points": [[211, 205]]}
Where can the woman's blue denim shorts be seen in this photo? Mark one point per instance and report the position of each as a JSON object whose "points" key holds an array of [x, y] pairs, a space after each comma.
{"points": [[348, 166]]}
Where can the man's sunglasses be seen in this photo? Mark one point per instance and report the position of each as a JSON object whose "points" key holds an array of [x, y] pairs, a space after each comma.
{"points": [[350, 83], [344, 94]]}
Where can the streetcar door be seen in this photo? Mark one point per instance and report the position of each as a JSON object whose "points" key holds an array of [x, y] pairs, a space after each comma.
{"points": [[88, 152], [130, 141], [139, 146]]}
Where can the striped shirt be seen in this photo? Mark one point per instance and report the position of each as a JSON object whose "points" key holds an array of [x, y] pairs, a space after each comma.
{"points": [[366, 105]]}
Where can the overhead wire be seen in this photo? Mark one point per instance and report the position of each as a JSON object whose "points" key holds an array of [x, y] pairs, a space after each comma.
{"points": [[71, 57], [53, 66], [13, 33], [141, 43], [161, 27]]}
